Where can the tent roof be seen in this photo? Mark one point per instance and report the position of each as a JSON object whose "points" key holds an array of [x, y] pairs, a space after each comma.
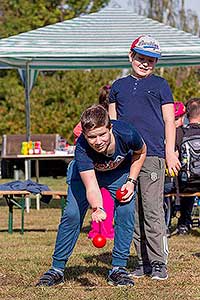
{"points": [[97, 40]]}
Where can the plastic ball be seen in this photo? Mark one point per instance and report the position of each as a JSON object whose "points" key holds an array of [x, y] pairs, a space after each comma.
{"points": [[120, 194], [170, 175], [99, 241]]}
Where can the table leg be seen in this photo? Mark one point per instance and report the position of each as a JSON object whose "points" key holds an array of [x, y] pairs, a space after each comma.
{"points": [[37, 170], [38, 201], [27, 177]]}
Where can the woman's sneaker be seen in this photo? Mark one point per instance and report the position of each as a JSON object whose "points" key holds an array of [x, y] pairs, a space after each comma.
{"points": [[159, 271], [51, 277], [119, 277], [141, 271]]}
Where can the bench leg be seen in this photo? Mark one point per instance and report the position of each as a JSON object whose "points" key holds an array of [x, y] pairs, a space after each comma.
{"points": [[10, 217], [22, 204], [63, 203]]}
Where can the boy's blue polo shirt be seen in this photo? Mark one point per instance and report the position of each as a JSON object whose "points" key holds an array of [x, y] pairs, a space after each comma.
{"points": [[139, 101]]}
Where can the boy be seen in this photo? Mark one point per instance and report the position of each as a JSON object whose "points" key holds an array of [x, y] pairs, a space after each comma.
{"points": [[107, 229], [108, 154], [145, 100]]}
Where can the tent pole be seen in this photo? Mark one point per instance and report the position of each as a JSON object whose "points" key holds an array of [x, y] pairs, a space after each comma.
{"points": [[27, 102], [27, 110], [28, 133]]}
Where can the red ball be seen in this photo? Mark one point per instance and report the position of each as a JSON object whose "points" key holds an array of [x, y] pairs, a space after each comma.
{"points": [[99, 241], [120, 194]]}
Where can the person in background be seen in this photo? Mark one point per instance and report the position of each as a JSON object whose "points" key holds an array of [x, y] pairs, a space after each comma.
{"points": [[170, 182], [103, 100], [108, 154], [145, 100], [192, 129], [107, 229], [179, 111]]}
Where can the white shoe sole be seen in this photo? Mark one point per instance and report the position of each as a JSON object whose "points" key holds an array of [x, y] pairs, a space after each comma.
{"points": [[159, 278]]}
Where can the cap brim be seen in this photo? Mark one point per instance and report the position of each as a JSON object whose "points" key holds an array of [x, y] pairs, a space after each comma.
{"points": [[147, 53]]}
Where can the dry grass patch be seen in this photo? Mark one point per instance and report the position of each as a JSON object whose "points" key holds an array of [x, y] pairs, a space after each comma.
{"points": [[24, 258]]}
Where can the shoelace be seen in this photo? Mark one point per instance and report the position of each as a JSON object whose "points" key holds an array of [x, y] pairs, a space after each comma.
{"points": [[157, 266]]}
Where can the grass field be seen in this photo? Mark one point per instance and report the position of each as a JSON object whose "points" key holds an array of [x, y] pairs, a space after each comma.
{"points": [[25, 257]]}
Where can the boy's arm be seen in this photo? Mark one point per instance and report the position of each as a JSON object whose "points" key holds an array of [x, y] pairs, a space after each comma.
{"points": [[93, 195], [138, 159], [172, 160], [112, 111]]}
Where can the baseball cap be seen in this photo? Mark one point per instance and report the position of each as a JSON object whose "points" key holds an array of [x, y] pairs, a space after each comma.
{"points": [[146, 45], [179, 109]]}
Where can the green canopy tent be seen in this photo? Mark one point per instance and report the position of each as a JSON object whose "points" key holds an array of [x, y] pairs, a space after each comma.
{"points": [[97, 40]]}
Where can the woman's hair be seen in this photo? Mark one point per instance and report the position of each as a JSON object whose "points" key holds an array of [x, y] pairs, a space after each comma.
{"points": [[193, 108], [94, 117], [103, 96]]}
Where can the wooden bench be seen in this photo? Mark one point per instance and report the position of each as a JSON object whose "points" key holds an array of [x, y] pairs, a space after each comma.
{"points": [[58, 195], [11, 201], [17, 198], [196, 194]]}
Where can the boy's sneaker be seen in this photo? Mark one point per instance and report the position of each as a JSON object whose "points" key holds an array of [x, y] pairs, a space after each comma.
{"points": [[51, 277], [159, 271], [141, 271], [119, 277]]}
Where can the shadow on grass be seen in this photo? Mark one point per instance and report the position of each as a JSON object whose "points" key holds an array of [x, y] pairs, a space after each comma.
{"points": [[195, 232], [79, 273], [85, 229], [96, 259], [196, 254], [106, 258]]}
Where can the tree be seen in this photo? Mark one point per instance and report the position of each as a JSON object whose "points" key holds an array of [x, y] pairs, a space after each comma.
{"points": [[170, 12], [52, 110], [20, 16]]}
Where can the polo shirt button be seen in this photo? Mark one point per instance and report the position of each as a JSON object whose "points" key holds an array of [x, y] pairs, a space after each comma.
{"points": [[134, 88]]}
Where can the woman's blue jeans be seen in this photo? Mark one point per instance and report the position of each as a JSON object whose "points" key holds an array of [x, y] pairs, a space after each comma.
{"points": [[76, 208]]}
